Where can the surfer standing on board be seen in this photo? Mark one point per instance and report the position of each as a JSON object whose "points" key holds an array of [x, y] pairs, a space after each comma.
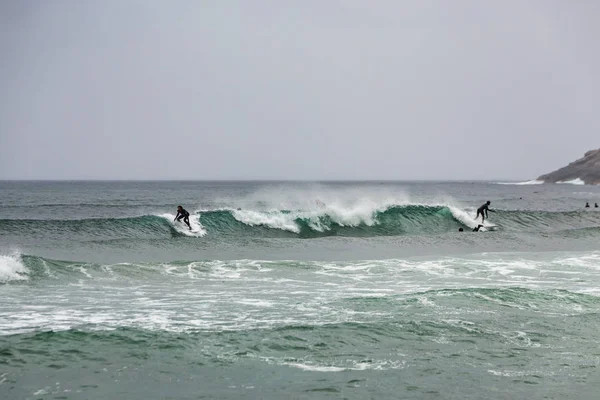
{"points": [[481, 209], [181, 213]]}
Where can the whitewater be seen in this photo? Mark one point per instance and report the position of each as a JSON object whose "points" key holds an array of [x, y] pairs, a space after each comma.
{"points": [[298, 290]]}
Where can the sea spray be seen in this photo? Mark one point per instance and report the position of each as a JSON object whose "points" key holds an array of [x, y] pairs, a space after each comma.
{"points": [[12, 268]]}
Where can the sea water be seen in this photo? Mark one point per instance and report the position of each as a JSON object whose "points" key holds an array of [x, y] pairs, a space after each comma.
{"points": [[298, 290]]}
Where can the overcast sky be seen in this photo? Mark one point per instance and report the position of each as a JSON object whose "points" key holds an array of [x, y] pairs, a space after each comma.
{"points": [[312, 89]]}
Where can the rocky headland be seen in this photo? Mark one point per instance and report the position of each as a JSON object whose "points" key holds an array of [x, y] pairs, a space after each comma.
{"points": [[586, 169]]}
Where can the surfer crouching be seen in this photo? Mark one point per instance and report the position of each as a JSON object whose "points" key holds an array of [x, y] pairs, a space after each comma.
{"points": [[181, 213], [476, 229], [481, 209]]}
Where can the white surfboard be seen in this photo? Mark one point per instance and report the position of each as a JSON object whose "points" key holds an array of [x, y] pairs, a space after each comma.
{"points": [[181, 227]]}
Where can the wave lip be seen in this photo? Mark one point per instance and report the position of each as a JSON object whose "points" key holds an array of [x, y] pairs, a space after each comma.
{"points": [[359, 220], [321, 219], [274, 219], [12, 268], [369, 219]]}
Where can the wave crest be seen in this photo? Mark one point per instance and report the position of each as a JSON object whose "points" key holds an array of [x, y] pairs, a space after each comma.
{"points": [[12, 268], [364, 220]]}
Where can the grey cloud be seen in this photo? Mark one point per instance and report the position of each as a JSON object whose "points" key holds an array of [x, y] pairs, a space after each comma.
{"points": [[296, 90]]}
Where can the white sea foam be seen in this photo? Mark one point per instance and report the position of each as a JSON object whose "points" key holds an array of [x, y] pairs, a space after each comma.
{"points": [[197, 228], [319, 206], [531, 182], [272, 219], [234, 295], [354, 215], [342, 365], [380, 365], [468, 219], [519, 373], [319, 215], [591, 261], [315, 368], [12, 268], [576, 181]]}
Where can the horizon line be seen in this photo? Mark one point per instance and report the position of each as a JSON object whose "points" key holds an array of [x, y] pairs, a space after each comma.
{"points": [[253, 180]]}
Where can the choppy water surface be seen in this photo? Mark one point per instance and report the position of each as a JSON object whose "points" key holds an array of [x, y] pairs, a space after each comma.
{"points": [[298, 290]]}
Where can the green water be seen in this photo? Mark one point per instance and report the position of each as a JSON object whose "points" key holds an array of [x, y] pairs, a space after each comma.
{"points": [[369, 292]]}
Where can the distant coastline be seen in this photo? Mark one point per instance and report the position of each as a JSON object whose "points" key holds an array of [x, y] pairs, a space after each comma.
{"points": [[584, 171]]}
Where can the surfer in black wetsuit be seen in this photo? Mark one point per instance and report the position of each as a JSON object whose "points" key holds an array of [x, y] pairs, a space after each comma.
{"points": [[181, 213], [481, 209], [474, 229]]}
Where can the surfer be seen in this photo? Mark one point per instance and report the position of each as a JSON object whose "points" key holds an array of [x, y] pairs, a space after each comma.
{"points": [[474, 229], [587, 205], [595, 205], [481, 209], [182, 213]]}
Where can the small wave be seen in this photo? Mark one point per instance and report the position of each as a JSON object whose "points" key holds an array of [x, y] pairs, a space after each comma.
{"points": [[532, 182], [576, 181], [35, 267], [139, 227]]}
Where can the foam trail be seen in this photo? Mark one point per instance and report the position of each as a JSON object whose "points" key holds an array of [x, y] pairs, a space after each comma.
{"points": [[197, 228], [12, 269]]}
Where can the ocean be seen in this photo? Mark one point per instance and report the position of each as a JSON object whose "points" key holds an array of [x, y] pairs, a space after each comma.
{"points": [[299, 290]]}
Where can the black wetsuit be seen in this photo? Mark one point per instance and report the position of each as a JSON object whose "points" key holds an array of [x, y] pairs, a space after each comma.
{"points": [[185, 215], [480, 211]]}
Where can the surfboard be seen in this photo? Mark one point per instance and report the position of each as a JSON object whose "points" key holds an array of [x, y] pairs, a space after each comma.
{"points": [[181, 227], [488, 226], [184, 225]]}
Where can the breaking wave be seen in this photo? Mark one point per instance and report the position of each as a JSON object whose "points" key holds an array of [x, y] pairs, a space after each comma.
{"points": [[363, 221]]}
